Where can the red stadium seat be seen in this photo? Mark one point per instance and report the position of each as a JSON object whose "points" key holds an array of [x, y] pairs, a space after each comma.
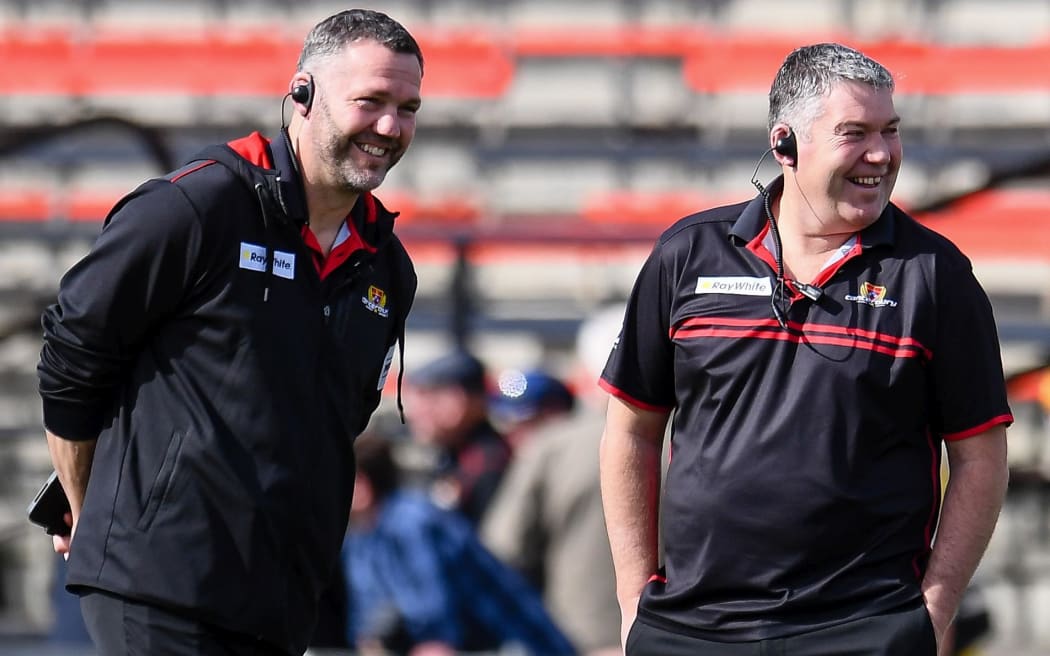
{"points": [[37, 62], [473, 63], [748, 63], [464, 64], [651, 208], [997, 224], [24, 205], [736, 63], [973, 69], [451, 210], [138, 63], [86, 206]]}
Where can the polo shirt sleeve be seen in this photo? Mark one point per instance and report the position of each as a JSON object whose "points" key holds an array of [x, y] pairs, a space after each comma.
{"points": [[640, 369], [969, 389]]}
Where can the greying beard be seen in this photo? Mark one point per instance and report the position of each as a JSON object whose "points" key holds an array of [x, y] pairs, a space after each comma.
{"points": [[357, 182]]}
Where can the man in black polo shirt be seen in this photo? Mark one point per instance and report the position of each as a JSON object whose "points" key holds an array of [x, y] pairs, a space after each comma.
{"points": [[816, 347]]}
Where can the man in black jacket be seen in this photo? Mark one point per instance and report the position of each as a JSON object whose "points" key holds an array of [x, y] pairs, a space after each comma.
{"points": [[209, 363]]}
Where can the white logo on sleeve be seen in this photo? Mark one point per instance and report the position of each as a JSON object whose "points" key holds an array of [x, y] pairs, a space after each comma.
{"points": [[253, 257], [386, 367], [284, 264], [738, 285]]}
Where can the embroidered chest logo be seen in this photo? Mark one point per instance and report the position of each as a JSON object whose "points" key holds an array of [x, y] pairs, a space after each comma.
{"points": [[375, 301], [873, 295]]}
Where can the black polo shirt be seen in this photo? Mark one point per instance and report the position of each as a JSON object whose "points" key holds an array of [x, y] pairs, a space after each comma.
{"points": [[803, 487]]}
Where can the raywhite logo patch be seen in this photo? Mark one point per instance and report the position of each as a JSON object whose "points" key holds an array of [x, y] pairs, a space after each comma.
{"points": [[386, 367], [284, 264], [738, 285], [253, 257]]}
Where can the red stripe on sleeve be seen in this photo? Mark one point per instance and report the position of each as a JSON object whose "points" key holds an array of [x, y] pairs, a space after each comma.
{"points": [[620, 394], [980, 428]]}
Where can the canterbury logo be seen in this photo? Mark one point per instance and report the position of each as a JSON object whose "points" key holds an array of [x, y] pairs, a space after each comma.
{"points": [[873, 295], [375, 300]]}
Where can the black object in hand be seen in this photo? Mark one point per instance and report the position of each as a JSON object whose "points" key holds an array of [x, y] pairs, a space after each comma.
{"points": [[48, 509]]}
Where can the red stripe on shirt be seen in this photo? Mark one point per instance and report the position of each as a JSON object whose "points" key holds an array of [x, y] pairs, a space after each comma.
{"points": [[980, 428], [807, 328], [935, 478], [195, 168], [808, 335], [620, 394]]}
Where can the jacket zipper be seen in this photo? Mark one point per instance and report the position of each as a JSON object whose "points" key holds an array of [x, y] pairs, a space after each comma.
{"points": [[349, 280]]}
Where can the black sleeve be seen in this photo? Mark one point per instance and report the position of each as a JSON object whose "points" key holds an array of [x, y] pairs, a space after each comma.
{"points": [[133, 277], [640, 369], [969, 386]]}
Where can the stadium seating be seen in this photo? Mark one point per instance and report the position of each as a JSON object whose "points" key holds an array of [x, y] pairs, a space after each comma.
{"points": [[607, 111]]}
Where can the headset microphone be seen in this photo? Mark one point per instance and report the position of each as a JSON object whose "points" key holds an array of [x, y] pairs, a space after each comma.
{"points": [[787, 147], [303, 93]]}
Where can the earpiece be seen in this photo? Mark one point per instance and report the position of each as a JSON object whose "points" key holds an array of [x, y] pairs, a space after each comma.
{"points": [[787, 147], [303, 93]]}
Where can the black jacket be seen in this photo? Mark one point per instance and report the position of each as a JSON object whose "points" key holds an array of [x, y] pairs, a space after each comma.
{"points": [[225, 390]]}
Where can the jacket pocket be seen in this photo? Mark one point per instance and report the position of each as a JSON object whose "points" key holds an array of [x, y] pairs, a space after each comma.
{"points": [[163, 481]]}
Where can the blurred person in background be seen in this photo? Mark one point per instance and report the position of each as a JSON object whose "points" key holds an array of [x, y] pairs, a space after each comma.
{"points": [[815, 346], [447, 408], [546, 519], [421, 583], [525, 400], [211, 359]]}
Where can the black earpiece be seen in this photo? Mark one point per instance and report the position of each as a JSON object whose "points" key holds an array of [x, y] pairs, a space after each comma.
{"points": [[303, 93], [787, 147]]}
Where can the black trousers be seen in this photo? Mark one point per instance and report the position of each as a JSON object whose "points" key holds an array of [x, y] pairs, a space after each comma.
{"points": [[901, 633], [124, 627]]}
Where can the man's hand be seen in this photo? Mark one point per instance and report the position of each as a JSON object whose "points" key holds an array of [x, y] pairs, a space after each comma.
{"points": [[628, 613], [62, 542], [941, 620]]}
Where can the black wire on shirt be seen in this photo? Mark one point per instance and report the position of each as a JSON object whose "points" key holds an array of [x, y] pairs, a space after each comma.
{"points": [[776, 298]]}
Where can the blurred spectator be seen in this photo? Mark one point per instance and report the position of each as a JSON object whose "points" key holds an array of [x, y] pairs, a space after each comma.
{"points": [[524, 400], [419, 580], [546, 519], [447, 409]]}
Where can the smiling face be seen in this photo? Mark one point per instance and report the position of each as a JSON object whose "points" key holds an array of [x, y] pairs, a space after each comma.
{"points": [[363, 117], [849, 157]]}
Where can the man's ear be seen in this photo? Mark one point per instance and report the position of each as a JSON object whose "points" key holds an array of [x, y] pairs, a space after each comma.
{"points": [[302, 92], [785, 145]]}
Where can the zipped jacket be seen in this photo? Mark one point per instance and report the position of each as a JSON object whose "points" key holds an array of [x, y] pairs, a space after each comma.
{"points": [[225, 381]]}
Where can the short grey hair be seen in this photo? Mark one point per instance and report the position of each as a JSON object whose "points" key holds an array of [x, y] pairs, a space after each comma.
{"points": [[809, 73], [330, 36]]}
